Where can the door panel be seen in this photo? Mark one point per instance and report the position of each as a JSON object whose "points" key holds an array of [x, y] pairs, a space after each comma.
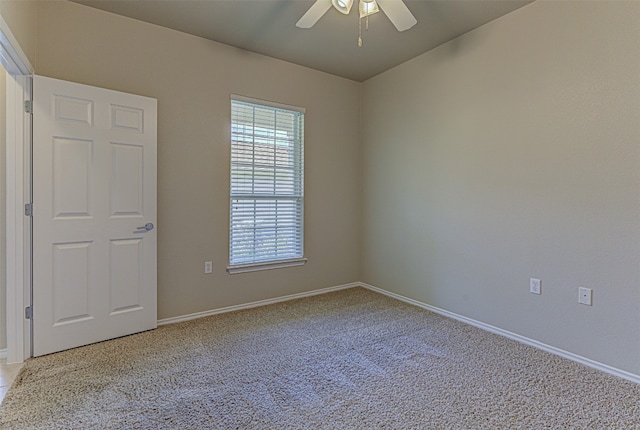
{"points": [[127, 179], [72, 160], [73, 110], [125, 275], [71, 282], [94, 186]]}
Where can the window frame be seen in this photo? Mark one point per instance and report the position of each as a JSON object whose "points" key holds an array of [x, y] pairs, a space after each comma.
{"points": [[277, 263]]}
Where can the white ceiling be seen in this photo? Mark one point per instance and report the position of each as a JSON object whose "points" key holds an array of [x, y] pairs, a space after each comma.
{"points": [[268, 27]]}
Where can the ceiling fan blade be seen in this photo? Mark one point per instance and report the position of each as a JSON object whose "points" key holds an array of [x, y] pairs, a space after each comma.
{"points": [[398, 13], [315, 12]]}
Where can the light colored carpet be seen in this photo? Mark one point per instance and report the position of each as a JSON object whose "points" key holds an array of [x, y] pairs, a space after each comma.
{"points": [[352, 359]]}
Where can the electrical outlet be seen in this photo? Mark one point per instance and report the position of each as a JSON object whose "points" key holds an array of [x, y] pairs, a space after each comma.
{"points": [[208, 267], [535, 286], [585, 296]]}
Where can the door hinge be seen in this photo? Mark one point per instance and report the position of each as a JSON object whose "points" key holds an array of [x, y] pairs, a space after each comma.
{"points": [[28, 209], [28, 106], [28, 312]]}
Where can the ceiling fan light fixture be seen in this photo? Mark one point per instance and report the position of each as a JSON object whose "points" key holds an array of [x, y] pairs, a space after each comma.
{"points": [[368, 7], [343, 6]]}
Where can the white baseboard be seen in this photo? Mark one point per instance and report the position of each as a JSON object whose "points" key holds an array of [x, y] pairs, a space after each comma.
{"points": [[189, 317], [496, 330], [536, 344], [3, 353]]}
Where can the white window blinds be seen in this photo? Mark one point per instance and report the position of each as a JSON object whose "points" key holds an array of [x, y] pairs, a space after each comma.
{"points": [[266, 183]]}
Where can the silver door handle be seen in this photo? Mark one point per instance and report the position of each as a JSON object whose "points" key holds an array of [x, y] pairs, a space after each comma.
{"points": [[147, 227]]}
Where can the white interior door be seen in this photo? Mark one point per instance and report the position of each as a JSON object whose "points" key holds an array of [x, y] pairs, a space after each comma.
{"points": [[94, 210]]}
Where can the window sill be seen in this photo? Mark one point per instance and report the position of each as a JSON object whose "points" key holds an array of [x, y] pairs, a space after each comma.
{"points": [[266, 265]]}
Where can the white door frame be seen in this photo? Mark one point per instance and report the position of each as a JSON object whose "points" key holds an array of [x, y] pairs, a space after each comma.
{"points": [[18, 193]]}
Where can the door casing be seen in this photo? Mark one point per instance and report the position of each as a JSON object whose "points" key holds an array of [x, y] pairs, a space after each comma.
{"points": [[18, 192]]}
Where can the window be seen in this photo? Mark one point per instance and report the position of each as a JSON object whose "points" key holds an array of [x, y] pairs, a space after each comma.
{"points": [[267, 187]]}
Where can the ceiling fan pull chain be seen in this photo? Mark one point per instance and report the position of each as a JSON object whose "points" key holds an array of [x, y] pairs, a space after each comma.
{"points": [[359, 32]]}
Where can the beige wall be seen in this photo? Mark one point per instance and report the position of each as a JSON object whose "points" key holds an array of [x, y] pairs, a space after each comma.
{"points": [[509, 153], [3, 235], [20, 15], [192, 79]]}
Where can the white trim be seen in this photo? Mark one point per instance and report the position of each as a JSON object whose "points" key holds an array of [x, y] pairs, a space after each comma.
{"points": [[269, 103], [266, 265], [18, 186], [3, 353], [492, 329], [18, 228], [203, 314], [522, 339], [18, 191]]}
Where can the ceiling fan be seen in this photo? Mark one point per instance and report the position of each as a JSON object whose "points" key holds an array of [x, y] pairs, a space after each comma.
{"points": [[396, 10]]}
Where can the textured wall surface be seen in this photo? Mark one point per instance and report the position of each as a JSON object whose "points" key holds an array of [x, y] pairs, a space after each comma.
{"points": [[514, 152]]}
